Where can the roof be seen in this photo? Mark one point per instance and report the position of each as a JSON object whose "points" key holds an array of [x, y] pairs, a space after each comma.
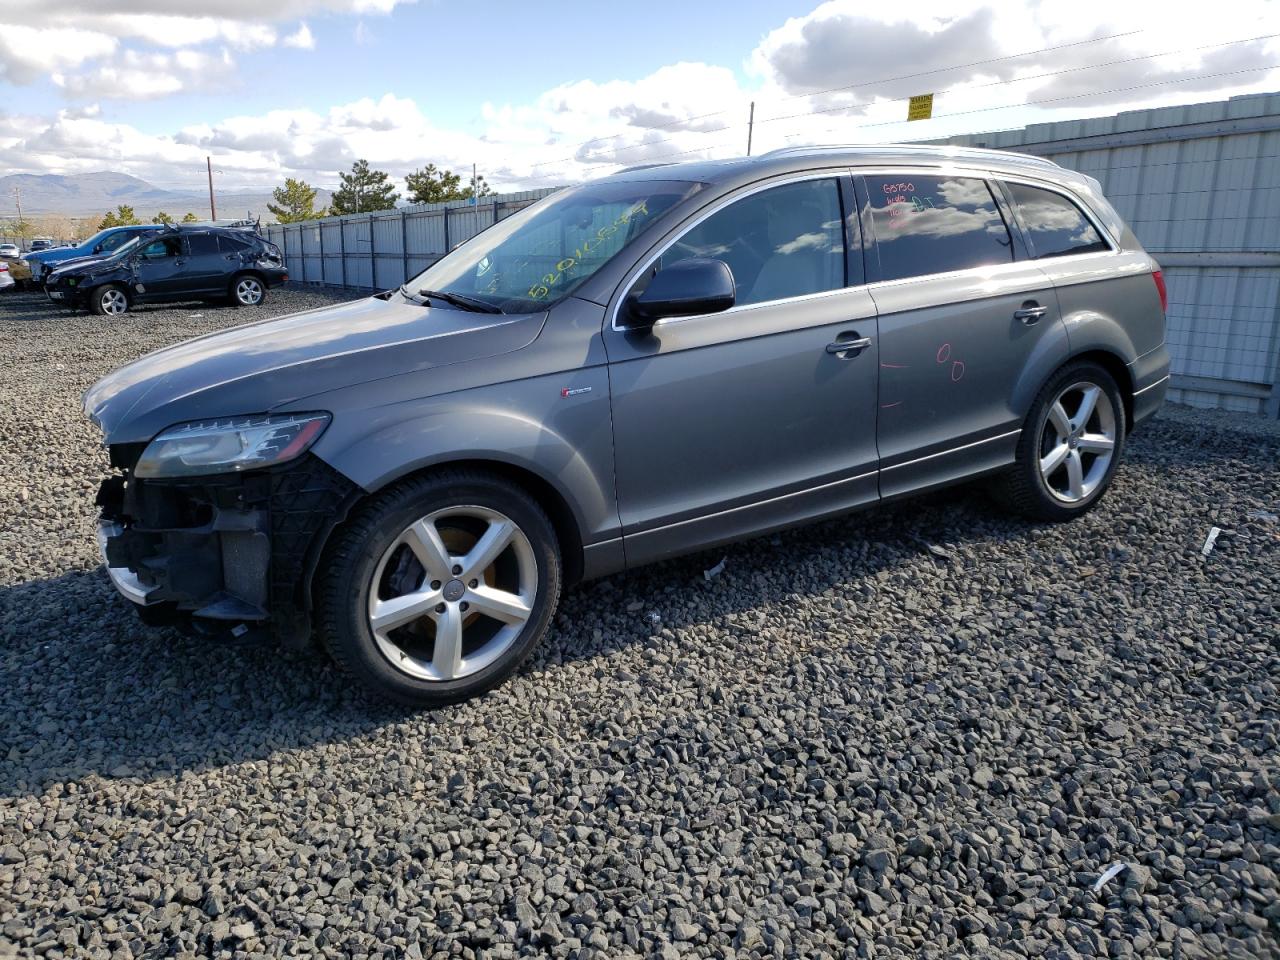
{"points": [[795, 159]]}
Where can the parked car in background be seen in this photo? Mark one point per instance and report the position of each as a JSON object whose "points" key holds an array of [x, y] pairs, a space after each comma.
{"points": [[100, 244], [660, 361], [6, 278], [9, 250], [178, 264], [18, 270], [42, 243]]}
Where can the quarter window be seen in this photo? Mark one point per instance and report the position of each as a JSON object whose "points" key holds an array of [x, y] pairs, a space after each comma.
{"points": [[232, 244], [930, 224], [787, 241], [1055, 226]]}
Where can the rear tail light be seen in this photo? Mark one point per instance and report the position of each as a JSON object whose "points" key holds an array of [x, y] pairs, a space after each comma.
{"points": [[1158, 277]]}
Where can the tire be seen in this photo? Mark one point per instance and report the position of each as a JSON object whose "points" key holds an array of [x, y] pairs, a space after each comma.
{"points": [[247, 290], [381, 556], [109, 300], [1064, 466]]}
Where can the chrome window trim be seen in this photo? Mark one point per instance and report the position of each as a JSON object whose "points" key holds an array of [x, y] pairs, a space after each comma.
{"points": [[992, 177], [1083, 207], [830, 173]]}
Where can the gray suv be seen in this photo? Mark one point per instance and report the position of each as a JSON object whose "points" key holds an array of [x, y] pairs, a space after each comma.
{"points": [[657, 362]]}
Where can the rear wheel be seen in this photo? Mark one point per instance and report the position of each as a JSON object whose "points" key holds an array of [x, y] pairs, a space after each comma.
{"points": [[110, 300], [1070, 445], [248, 290], [438, 590]]}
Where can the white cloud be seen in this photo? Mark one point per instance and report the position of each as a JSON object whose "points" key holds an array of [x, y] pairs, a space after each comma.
{"points": [[146, 76], [66, 36], [301, 38], [28, 52], [684, 110]]}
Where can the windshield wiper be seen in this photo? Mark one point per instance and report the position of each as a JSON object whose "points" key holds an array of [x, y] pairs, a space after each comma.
{"points": [[459, 300]]}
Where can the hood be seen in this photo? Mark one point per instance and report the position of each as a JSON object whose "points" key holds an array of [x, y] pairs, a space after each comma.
{"points": [[86, 262], [263, 366]]}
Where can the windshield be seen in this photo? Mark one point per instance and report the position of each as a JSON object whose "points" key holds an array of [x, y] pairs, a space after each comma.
{"points": [[540, 255]]}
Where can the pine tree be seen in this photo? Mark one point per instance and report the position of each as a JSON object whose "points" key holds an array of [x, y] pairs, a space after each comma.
{"points": [[294, 201], [363, 190]]}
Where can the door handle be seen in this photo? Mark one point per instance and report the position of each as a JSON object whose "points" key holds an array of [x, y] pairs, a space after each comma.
{"points": [[847, 349], [1030, 313]]}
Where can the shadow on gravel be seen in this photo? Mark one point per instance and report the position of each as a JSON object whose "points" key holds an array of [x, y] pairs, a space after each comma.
{"points": [[86, 689]]}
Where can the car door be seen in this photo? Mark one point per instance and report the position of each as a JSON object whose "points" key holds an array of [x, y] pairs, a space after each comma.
{"points": [[204, 270], [159, 266], [736, 422], [966, 323]]}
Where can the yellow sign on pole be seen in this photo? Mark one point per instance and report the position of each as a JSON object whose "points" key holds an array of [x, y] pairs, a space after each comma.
{"points": [[921, 107]]}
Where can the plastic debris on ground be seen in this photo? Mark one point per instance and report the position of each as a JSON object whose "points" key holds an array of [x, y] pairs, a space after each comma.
{"points": [[715, 571], [1210, 540], [1111, 871]]}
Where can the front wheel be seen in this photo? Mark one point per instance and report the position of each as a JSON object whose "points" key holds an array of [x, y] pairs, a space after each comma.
{"points": [[248, 291], [109, 301], [1070, 445], [437, 590]]}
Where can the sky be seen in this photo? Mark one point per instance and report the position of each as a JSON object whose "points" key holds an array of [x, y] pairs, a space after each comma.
{"points": [[544, 95]]}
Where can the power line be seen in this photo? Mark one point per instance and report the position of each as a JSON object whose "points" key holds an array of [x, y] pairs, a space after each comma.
{"points": [[864, 83], [1011, 106], [997, 83]]}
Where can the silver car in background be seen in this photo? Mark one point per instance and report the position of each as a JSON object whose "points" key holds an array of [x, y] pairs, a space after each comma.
{"points": [[657, 362]]}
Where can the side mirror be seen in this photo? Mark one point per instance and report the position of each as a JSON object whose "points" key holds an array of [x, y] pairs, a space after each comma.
{"points": [[684, 289]]}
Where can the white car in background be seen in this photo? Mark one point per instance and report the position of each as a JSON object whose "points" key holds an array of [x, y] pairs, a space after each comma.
{"points": [[6, 278], [9, 250]]}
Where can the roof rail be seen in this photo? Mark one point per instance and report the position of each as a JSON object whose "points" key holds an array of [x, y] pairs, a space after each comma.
{"points": [[935, 148], [644, 166]]}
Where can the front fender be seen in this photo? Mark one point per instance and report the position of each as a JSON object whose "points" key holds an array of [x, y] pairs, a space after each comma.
{"points": [[566, 441]]}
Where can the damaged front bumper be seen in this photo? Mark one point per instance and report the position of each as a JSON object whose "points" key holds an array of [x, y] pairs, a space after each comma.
{"points": [[222, 552]]}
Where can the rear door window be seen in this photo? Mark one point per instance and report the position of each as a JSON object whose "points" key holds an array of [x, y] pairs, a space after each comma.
{"points": [[932, 224], [1054, 226], [202, 244]]}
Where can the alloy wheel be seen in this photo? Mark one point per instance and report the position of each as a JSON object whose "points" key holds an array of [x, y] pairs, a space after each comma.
{"points": [[452, 593], [249, 291], [114, 301], [1077, 442]]}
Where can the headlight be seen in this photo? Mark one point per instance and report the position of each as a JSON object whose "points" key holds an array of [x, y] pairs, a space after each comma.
{"points": [[233, 444]]}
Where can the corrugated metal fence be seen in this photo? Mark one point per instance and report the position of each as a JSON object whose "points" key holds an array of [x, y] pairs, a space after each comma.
{"points": [[1199, 184], [383, 249]]}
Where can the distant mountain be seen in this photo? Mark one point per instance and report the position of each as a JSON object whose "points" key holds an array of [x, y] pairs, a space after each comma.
{"points": [[93, 194]]}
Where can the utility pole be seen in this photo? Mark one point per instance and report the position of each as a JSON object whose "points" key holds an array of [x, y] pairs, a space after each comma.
{"points": [[17, 196], [475, 188], [213, 210], [751, 123]]}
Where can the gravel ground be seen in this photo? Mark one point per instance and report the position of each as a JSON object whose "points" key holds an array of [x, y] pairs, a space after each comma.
{"points": [[920, 731]]}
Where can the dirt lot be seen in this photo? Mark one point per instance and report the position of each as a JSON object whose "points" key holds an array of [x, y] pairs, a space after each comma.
{"points": [[920, 731]]}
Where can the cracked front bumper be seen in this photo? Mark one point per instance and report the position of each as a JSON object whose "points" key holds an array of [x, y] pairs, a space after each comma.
{"points": [[122, 578], [225, 550]]}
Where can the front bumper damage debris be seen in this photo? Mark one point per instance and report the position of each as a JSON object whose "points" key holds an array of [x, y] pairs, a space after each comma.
{"points": [[221, 552]]}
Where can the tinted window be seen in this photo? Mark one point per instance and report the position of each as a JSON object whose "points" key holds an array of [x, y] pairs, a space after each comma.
{"points": [[232, 244], [927, 224], [782, 242], [1055, 226], [202, 244], [159, 249]]}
